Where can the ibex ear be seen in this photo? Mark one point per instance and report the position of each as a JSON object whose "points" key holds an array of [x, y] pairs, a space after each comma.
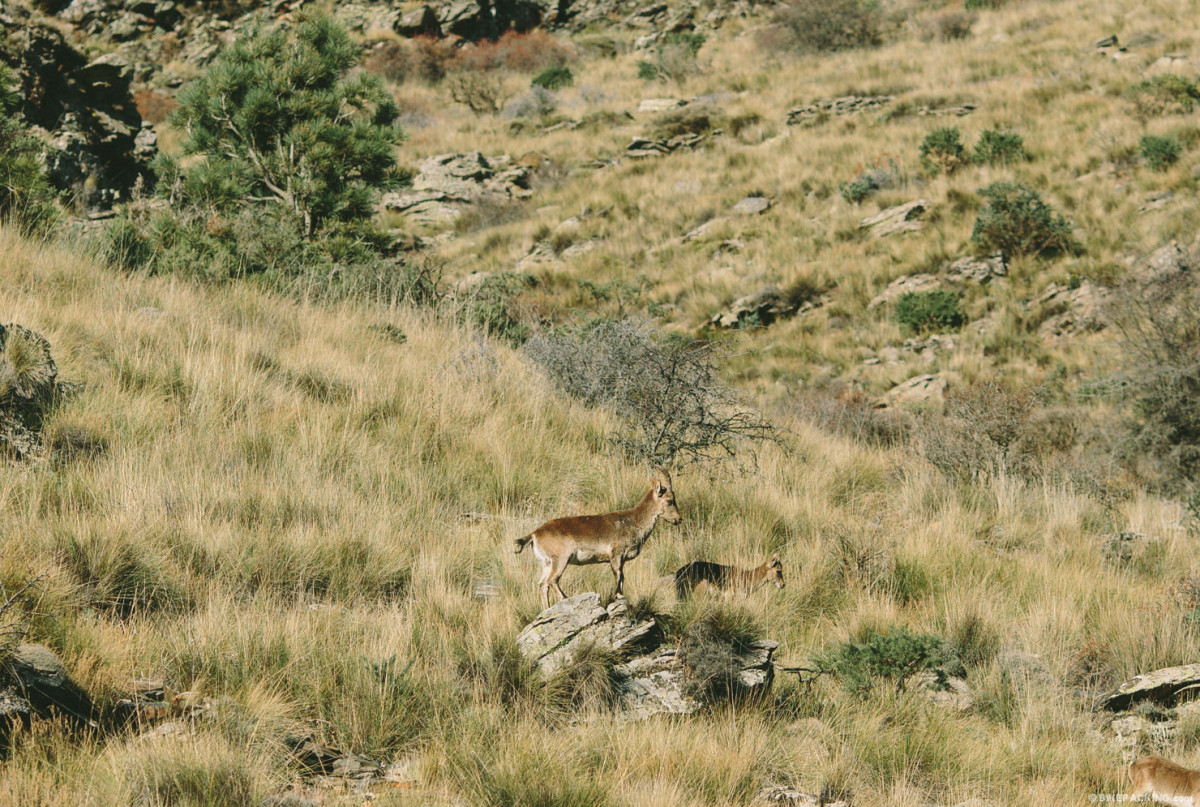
{"points": [[775, 560]]}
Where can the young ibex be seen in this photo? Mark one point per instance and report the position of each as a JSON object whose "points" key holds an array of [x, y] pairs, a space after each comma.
{"points": [[612, 538], [702, 574], [1165, 781]]}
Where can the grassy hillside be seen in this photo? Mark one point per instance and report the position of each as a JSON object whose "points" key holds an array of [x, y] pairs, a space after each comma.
{"points": [[292, 508]]}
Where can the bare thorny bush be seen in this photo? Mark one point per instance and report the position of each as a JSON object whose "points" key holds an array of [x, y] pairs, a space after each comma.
{"points": [[16, 613], [1158, 320], [676, 409]]}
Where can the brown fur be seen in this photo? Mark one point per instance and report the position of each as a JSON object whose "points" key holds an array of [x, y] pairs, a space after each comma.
{"points": [[1168, 782], [701, 574], [611, 538]]}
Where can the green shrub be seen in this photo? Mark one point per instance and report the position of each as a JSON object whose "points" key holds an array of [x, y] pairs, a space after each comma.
{"points": [[982, 5], [856, 190], [999, 148], [891, 656], [26, 198], [1160, 153], [281, 120], [1015, 221], [925, 311], [491, 305], [942, 150], [1164, 94], [554, 77], [819, 26]]}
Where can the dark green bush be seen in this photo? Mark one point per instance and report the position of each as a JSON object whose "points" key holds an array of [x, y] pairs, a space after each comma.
{"points": [[817, 26], [492, 306], [942, 151], [981, 5], [1015, 221], [554, 77], [925, 311], [1160, 153], [891, 657], [999, 148], [281, 120], [857, 189], [26, 198], [1164, 94]]}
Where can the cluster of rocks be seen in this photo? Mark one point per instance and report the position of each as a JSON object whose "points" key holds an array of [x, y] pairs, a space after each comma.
{"points": [[1148, 708], [99, 147], [964, 271], [28, 389], [653, 679], [1070, 309], [764, 307], [921, 390], [928, 348], [447, 182], [825, 108], [657, 147]]}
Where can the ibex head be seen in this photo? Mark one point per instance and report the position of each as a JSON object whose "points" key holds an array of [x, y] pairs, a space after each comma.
{"points": [[664, 497], [775, 571]]}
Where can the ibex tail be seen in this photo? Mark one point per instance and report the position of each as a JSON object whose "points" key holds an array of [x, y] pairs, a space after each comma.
{"points": [[521, 542]]}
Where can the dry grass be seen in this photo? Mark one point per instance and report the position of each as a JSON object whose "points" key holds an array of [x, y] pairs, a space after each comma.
{"points": [[275, 517]]}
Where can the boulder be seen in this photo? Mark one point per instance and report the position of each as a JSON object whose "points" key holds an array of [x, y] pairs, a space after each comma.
{"points": [[34, 682], [653, 679], [899, 219], [763, 307], [904, 285], [1160, 686], [752, 205], [941, 689], [447, 182], [660, 104], [922, 389], [1167, 261], [28, 388], [977, 270], [1071, 310], [791, 797]]}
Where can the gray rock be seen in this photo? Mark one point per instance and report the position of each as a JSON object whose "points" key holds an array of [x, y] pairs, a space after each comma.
{"points": [[1069, 311], [653, 678], [660, 104], [942, 690], [904, 285], [706, 230], [835, 107], [552, 638], [33, 673], [763, 307], [899, 219], [752, 205], [790, 797], [28, 389], [1160, 686], [922, 389], [977, 270]]}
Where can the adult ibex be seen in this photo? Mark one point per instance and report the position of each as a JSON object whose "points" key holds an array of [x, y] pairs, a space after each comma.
{"points": [[611, 538], [703, 574], [1163, 780]]}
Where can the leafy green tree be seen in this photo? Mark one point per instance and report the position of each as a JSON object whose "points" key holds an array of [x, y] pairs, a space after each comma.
{"points": [[26, 198], [280, 119]]}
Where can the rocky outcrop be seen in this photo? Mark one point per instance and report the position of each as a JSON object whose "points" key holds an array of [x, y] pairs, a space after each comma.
{"points": [[909, 284], [921, 390], [825, 108], [979, 271], [764, 307], [899, 219], [1160, 686], [658, 147], [33, 682], [784, 796], [653, 679], [1070, 310], [446, 182], [28, 389], [84, 108]]}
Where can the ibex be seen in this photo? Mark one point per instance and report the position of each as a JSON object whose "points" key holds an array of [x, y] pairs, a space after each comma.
{"points": [[702, 574], [1165, 781], [612, 538]]}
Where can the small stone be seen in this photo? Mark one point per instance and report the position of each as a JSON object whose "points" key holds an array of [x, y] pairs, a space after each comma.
{"points": [[752, 205], [660, 104], [899, 219], [922, 389]]}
